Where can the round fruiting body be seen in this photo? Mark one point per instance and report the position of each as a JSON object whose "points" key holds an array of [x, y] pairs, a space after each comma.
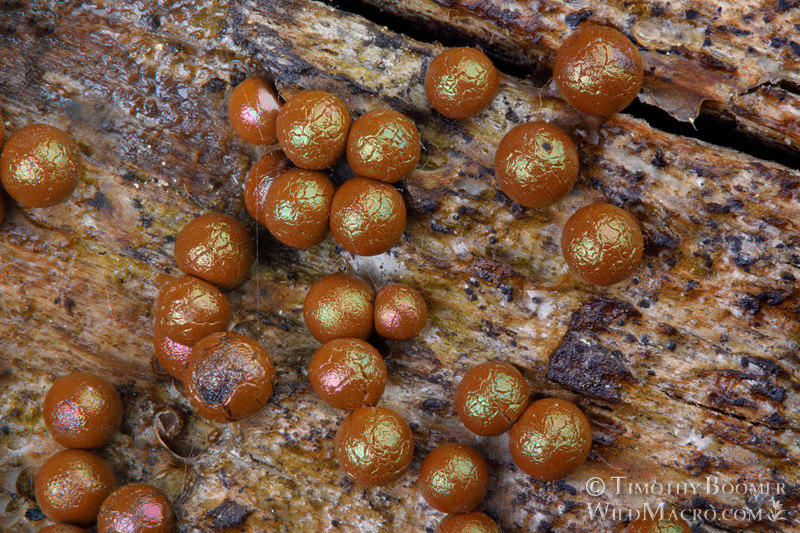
{"points": [[339, 306], [230, 376], [374, 446], [216, 248], [475, 522], [40, 165], [454, 478], [259, 179], [383, 145], [461, 82], [298, 207], [82, 411], [491, 397], [368, 217], [602, 244], [598, 70], [62, 528], [312, 129], [71, 486], [536, 164], [348, 373], [400, 312], [253, 110], [551, 439], [188, 309], [136, 508]]}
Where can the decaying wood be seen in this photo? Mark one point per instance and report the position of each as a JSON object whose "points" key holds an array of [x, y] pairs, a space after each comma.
{"points": [[689, 369], [699, 57]]}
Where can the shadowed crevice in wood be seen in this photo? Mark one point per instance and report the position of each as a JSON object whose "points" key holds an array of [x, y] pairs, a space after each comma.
{"points": [[749, 122]]}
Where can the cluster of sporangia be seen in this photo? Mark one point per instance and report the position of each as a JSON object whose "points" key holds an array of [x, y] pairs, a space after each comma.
{"points": [[229, 376]]}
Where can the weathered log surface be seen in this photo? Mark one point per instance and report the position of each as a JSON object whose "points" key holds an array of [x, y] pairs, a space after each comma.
{"points": [[699, 57], [688, 370]]}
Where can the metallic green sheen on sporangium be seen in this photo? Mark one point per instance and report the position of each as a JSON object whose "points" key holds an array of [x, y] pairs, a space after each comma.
{"points": [[536, 163], [383, 145], [551, 439], [374, 446], [312, 129], [40, 165], [602, 244], [598, 70], [461, 82], [491, 397], [339, 306], [368, 217], [454, 478], [297, 207]]}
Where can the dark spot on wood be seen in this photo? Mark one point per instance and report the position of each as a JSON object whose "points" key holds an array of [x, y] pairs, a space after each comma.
{"points": [[658, 9], [151, 21], [660, 240], [512, 116], [507, 292], [700, 464], [744, 261], [433, 404], [658, 159], [34, 514], [671, 345], [214, 85], [69, 305], [734, 243], [734, 31], [590, 369], [749, 304], [666, 329], [773, 298], [795, 48], [440, 228], [767, 388], [131, 177], [101, 203], [228, 514], [691, 14], [778, 41], [237, 78], [598, 313], [573, 19], [712, 63], [775, 420], [464, 210], [767, 365], [717, 208], [645, 303]]}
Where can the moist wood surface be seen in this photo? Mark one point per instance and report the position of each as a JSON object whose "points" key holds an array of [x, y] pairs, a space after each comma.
{"points": [[736, 62], [687, 370]]}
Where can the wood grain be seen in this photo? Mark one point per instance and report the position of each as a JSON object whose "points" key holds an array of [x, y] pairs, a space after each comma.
{"points": [[687, 370], [699, 57]]}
